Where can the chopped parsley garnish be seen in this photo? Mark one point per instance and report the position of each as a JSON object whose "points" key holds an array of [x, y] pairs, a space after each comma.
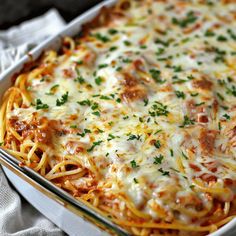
{"points": [[185, 40], [164, 173], [171, 152], [160, 51], [134, 164], [119, 68], [101, 37], [53, 89], [63, 100], [157, 144], [146, 101], [125, 117], [110, 137], [112, 31], [219, 126], [86, 131], [232, 91], [180, 94], [192, 186], [80, 62], [79, 78], [156, 76], [231, 34], [133, 137], [221, 82], [222, 38], [190, 77], [98, 80], [184, 155], [85, 103], [113, 48], [135, 181], [103, 97], [127, 43], [41, 105], [209, 33], [187, 121], [158, 131], [158, 109], [159, 41], [194, 94], [102, 66], [177, 69], [226, 116], [94, 145], [73, 126], [225, 108], [100, 131], [143, 46], [127, 60], [189, 19], [158, 159], [199, 104], [219, 55], [220, 96], [177, 80], [96, 113], [94, 106]]}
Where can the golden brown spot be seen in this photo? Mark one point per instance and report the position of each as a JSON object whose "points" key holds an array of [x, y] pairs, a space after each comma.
{"points": [[202, 84], [207, 140]]}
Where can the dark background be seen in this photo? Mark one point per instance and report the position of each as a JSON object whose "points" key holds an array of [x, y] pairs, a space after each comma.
{"points": [[13, 12]]}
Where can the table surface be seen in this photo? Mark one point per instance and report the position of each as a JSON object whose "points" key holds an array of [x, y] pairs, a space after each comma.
{"points": [[14, 12]]}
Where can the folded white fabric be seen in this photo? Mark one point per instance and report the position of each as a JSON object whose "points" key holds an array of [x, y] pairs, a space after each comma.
{"points": [[16, 41], [17, 217]]}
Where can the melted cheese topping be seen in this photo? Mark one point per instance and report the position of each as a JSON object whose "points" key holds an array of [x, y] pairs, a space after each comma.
{"points": [[149, 99]]}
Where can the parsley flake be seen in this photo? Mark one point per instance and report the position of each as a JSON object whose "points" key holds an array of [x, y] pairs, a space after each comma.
{"points": [[63, 100], [134, 164], [156, 76], [158, 159], [158, 109], [187, 121], [133, 137], [226, 116], [94, 145], [180, 94], [85, 103], [189, 19], [41, 105], [157, 144], [101, 37], [164, 173]]}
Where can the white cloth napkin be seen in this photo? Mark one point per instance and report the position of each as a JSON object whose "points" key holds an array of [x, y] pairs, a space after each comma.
{"points": [[16, 41], [17, 217]]}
